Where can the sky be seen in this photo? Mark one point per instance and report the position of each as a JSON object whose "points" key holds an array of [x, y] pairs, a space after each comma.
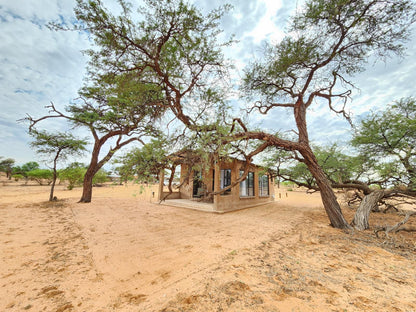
{"points": [[39, 66]]}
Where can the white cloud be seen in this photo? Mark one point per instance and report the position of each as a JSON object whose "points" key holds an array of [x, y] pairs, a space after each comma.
{"points": [[37, 66]]}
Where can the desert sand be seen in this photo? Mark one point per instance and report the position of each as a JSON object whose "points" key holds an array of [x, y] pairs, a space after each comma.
{"points": [[125, 252]]}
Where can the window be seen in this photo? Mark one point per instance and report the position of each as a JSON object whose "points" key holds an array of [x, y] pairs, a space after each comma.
{"points": [[225, 179], [247, 186], [264, 185]]}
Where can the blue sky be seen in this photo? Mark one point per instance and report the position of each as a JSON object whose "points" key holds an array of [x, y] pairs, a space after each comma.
{"points": [[38, 66]]}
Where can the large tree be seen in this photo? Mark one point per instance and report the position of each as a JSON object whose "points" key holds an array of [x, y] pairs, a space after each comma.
{"points": [[119, 107], [327, 42], [57, 146], [167, 56], [171, 45]]}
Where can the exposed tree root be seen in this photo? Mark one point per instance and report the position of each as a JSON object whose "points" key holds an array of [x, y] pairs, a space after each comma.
{"points": [[396, 228]]}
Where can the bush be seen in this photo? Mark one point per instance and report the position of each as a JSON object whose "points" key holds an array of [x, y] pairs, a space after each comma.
{"points": [[40, 176], [17, 177], [73, 175]]}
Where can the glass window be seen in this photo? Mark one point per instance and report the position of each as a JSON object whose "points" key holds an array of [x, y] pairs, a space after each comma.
{"points": [[225, 178], [247, 185], [264, 185]]}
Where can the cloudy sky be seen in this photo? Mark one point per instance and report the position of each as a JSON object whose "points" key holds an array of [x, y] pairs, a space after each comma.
{"points": [[38, 66]]}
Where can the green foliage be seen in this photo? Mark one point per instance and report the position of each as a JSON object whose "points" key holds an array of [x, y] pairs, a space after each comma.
{"points": [[6, 165], [56, 145], [29, 166], [17, 177], [40, 176], [100, 177], [73, 174], [338, 167], [389, 139], [144, 164]]}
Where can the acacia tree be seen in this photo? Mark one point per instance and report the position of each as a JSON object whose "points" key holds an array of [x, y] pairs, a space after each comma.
{"points": [[327, 42], [372, 179], [391, 134], [119, 107], [58, 146], [172, 46], [6, 166]]}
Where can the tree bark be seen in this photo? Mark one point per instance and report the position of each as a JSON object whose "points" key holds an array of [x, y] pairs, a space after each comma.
{"points": [[329, 200], [89, 175], [360, 221], [87, 186], [55, 160], [53, 185]]}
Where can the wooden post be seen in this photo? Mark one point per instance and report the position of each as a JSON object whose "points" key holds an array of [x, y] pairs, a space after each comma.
{"points": [[161, 182], [217, 174]]}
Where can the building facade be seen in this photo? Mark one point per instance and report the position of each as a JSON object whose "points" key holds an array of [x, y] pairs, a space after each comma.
{"points": [[198, 185]]}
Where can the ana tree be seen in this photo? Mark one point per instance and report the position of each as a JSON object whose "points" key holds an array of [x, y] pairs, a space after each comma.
{"points": [[327, 42], [57, 147]]}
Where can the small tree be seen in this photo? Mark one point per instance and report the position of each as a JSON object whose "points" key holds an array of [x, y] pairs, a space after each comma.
{"points": [[6, 166], [58, 147], [40, 176], [73, 174]]}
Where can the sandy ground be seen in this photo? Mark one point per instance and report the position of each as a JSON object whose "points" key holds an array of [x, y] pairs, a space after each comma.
{"points": [[123, 252]]}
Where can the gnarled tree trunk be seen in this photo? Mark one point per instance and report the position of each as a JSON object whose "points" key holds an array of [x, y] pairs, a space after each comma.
{"points": [[360, 221], [329, 200], [89, 175]]}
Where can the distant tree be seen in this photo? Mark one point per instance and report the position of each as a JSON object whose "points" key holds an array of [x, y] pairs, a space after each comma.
{"points": [[6, 166], [73, 174], [391, 135], [57, 147], [29, 166], [327, 43], [144, 164], [41, 176]]}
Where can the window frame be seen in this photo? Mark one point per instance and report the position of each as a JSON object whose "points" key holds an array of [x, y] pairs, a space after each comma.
{"points": [[264, 185], [247, 188]]}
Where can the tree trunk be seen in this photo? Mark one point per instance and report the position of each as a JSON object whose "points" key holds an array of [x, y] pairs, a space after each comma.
{"points": [[55, 160], [53, 185], [89, 175], [360, 221], [87, 186], [329, 200]]}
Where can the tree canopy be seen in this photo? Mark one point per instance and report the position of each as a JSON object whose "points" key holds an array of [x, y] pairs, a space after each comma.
{"points": [[389, 138], [307, 68]]}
